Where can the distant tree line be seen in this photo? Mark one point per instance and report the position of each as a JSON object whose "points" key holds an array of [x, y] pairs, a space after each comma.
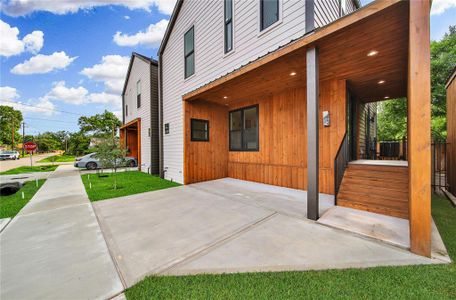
{"points": [[77, 143]]}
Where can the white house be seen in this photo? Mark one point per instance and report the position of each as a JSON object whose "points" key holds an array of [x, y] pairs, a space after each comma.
{"points": [[139, 131]]}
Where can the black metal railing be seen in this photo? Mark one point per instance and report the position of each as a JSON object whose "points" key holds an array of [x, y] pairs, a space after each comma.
{"points": [[340, 163], [439, 165]]}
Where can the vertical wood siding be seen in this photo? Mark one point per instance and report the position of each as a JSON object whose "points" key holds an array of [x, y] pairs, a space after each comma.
{"points": [[282, 156]]}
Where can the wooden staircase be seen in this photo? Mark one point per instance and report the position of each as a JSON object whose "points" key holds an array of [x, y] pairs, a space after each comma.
{"points": [[376, 188]]}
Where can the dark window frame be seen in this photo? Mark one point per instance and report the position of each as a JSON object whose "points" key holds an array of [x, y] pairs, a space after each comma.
{"points": [[195, 139], [192, 52], [242, 130], [138, 95], [126, 110], [262, 27], [226, 23]]}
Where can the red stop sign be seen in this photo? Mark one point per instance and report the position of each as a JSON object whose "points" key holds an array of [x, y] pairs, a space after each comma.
{"points": [[30, 146]]}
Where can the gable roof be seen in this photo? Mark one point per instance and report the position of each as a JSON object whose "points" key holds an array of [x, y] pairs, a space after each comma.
{"points": [[170, 26], [145, 59]]}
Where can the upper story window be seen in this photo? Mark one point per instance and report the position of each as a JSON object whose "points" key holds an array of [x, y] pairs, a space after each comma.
{"points": [[126, 110], [138, 94], [244, 129], [228, 25], [189, 52], [269, 13]]}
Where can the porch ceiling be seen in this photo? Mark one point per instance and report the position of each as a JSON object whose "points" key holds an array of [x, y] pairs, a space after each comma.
{"points": [[343, 47]]}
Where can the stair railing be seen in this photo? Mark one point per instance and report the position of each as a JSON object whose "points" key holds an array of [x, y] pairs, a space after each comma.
{"points": [[340, 164]]}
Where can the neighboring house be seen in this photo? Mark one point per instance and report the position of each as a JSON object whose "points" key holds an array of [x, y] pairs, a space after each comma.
{"points": [[261, 91], [451, 132], [139, 132]]}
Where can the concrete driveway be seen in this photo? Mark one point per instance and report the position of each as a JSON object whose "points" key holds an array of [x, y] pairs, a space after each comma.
{"points": [[230, 225]]}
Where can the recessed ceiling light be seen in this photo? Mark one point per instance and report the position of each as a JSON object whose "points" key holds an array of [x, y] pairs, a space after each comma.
{"points": [[225, 97], [386, 97], [381, 82], [292, 73], [372, 53]]}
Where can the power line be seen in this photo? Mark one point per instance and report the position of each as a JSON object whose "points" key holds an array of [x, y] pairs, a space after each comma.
{"points": [[50, 120], [45, 108]]}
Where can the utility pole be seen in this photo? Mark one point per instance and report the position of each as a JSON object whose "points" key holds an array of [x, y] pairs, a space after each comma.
{"points": [[23, 137], [12, 136]]}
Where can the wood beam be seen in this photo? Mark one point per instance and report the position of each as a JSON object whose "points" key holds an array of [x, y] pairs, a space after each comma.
{"points": [[312, 133], [419, 128]]}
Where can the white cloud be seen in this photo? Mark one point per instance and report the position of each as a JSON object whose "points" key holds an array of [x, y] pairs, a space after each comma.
{"points": [[127, 17], [440, 6], [43, 105], [111, 72], [68, 95], [8, 93], [80, 95], [106, 98], [149, 38], [34, 41], [41, 64], [25, 7], [10, 44]]}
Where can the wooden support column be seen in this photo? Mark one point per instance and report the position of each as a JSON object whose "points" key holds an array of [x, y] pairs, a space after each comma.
{"points": [[312, 134], [419, 128]]}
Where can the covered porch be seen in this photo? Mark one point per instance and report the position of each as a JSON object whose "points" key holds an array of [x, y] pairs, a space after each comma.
{"points": [[130, 139], [294, 104]]}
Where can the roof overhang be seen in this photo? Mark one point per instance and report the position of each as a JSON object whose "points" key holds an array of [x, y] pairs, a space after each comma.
{"points": [[343, 47]]}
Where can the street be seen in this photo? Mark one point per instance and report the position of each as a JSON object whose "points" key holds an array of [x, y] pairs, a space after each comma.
{"points": [[6, 165]]}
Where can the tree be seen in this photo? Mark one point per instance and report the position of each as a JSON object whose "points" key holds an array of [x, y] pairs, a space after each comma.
{"points": [[111, 155], [392, 120], [392, 114], [47, 141], [63, 137], [10, 123], [100, 125], [78, 143]]}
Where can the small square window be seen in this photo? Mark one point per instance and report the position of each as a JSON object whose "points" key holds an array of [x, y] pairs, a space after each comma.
{"points": [[167, 128], [199, 130]]}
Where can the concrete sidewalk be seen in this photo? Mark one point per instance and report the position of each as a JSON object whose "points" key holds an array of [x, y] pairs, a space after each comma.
{"points": [[54, 248]]}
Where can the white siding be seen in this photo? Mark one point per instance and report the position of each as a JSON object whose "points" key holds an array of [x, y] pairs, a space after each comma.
{"points": [[140, 71], [327, 11]]}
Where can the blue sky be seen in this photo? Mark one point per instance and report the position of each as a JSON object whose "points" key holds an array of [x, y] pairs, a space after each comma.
{"points": [[65, 60]]}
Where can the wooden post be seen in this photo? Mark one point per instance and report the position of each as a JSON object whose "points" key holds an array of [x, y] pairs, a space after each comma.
{"points": [[312, 134], [419, 128]]}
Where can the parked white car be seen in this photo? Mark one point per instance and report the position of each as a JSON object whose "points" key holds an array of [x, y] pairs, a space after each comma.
{"points": [[91, 162], [4, 155]]}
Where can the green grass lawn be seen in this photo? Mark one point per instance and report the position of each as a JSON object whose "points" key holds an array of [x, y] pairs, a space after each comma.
{"points": [[410, 282], [129, 183], [58, 158], [12, 204], [28, 169]]}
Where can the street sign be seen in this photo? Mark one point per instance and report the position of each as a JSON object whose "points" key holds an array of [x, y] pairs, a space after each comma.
{"points": [[30, 147]]}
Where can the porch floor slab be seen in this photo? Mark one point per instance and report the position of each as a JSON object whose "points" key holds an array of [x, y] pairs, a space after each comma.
{"points": [[393, 163], [230, 225], [388, 229]]}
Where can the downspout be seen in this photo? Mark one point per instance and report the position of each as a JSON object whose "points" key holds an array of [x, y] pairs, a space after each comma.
{"points": [[160, 116], [310, 15], [150, 128]]}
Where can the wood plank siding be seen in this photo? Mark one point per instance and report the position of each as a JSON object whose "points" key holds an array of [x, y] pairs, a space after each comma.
{"points": [[282, 156], [451, 133], [378, 189]]}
